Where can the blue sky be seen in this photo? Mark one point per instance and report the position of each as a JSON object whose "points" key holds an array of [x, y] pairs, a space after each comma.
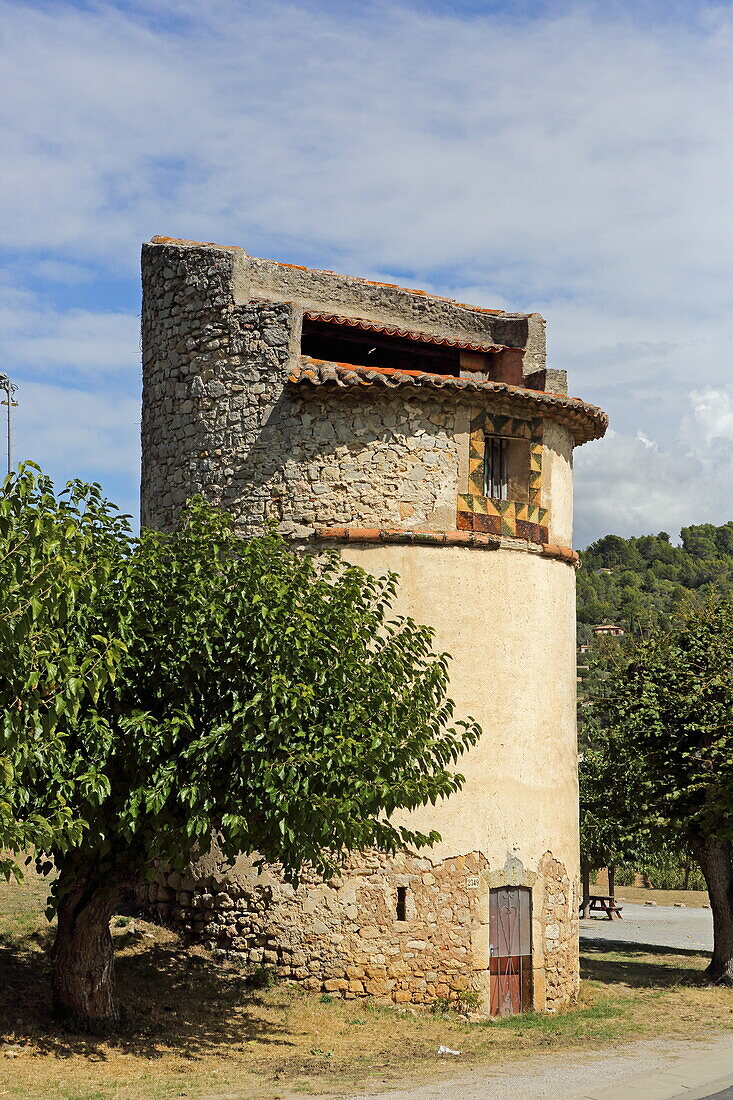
{"points": [[569, 158]]}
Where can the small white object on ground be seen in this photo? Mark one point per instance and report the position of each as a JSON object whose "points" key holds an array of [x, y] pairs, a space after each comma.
{"points": [[447, 1050]]}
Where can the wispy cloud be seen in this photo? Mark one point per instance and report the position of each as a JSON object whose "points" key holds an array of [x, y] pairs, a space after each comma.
{"points": [[567, 158], [69, 343]]}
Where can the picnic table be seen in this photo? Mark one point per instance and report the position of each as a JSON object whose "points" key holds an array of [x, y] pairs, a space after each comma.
{"points": [[606, 903]]}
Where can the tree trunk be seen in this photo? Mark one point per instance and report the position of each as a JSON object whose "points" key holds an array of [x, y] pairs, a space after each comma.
{"points": [[83, 954], [611, 881], [686, 882], [715, 857], [585, 878]]}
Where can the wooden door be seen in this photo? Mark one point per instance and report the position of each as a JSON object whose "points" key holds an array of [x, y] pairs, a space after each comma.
{"points": [[510, 939]]}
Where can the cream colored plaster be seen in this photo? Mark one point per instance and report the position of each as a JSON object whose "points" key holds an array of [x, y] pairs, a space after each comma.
{"points": [[557, 482], [508, 620]]}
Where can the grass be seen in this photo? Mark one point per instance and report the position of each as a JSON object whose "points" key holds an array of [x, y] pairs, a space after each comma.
{"points": [[638, 895], [196, 1028]]}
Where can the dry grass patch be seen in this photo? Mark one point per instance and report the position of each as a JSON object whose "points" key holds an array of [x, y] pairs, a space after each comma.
{"points": [[638, 895], [196, 1028]]}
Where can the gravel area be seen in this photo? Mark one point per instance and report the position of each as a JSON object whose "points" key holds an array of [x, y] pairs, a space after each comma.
{"points": [[659, 926], [571, 1076]]}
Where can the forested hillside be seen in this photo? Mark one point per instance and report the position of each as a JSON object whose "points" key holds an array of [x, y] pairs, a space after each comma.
{"points": [[632, 581]]}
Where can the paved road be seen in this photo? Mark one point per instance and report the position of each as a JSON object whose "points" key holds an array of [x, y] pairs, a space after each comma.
{"points": [[660, 925]]}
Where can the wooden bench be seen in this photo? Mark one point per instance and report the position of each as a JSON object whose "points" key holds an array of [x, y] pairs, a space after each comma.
{"points": [[604, 903]]}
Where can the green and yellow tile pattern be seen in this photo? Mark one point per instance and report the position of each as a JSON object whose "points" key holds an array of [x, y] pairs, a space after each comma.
{"points": [[477, 512]]}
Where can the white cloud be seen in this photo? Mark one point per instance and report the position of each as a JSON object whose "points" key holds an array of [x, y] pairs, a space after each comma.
{"points": [[577, 163], [392, 135], [74, 433], [712, 415], [36, 337], [64, 426], [80, 340], [632, 485], [61, 271]]}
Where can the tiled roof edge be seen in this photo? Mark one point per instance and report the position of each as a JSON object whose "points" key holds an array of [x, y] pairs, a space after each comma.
{"points": [[181, 242], [395, 330], [470, 539], [586, 421]]}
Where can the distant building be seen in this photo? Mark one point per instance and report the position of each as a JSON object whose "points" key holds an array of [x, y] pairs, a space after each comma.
{"points": [[609, 630], [584, 647]]}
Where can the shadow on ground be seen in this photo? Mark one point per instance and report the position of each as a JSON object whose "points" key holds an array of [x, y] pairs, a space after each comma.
{"points": [[640, 965], [174, 1002]]}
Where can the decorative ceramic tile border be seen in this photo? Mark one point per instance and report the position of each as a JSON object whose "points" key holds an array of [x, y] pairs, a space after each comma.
{"points": [[480, 513]]}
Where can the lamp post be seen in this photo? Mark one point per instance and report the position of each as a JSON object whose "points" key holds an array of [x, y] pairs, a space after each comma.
{"points": [[10, 388]]}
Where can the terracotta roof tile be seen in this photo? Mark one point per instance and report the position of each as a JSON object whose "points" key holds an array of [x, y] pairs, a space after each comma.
{"points": [[393, 330], [444, 538], [585, 421]]}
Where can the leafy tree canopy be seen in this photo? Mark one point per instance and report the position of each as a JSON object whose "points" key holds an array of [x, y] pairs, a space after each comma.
{"points": [[261, 699], [56, 554]]}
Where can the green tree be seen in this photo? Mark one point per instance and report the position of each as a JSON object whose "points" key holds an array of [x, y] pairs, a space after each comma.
{"points": [[668, 709], [612, 833], [265, 701], [56, 554]]}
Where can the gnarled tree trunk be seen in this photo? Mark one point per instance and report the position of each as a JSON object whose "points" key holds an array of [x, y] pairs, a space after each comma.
{"points": [[715, 857], [83, 954]]}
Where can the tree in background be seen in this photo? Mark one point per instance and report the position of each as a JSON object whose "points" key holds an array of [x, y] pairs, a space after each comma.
{"points": [[263, 700], [665, 712], [611, 832], [645, 580]]}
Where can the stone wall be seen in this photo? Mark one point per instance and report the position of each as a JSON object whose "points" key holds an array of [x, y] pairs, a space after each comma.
{"points": [[218, 418], [212, 376], [343, 936]]}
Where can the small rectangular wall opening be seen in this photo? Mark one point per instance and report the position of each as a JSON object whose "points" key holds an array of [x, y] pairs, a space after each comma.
{"points": [[401, 903], [496, 472], [361, 348], [506, 469]]}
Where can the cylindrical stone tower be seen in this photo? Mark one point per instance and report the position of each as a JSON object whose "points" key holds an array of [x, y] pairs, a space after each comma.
{"points": [[427, 437]]}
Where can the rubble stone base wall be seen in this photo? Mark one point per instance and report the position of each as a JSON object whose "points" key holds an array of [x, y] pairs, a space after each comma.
{"points": [[344, 936]]}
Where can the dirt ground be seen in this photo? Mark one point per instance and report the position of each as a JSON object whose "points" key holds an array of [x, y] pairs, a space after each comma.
{"points": [[196, 1028]]}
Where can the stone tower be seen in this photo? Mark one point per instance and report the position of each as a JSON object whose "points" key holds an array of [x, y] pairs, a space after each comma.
{"points": [[424, 436]]}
